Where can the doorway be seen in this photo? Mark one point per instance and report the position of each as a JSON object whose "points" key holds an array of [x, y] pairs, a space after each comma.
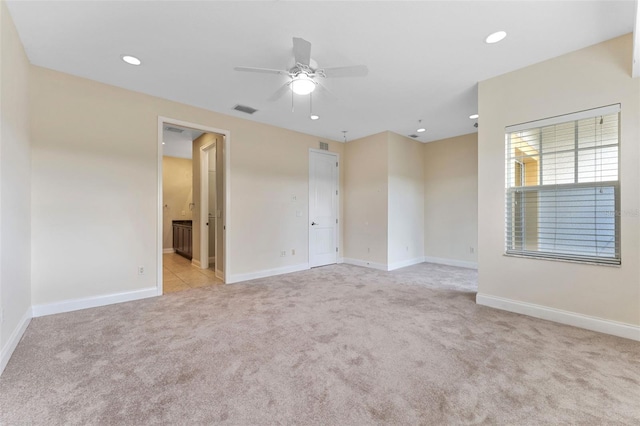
{"points": [[214, 144], [323, 207]]}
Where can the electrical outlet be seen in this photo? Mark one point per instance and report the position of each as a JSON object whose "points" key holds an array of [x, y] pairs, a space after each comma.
{"points": [[407, 248], [184, 213], [293, 252], [140, 270], [294, 198], [472, 250], [283, 253], [368, 250]]}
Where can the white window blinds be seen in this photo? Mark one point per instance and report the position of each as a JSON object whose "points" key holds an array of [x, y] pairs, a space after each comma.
{"points": [[562, 188]]}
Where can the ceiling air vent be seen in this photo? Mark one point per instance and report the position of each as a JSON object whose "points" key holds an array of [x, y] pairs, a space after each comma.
{"points": [[245, 109], [173, 129], [413, 136]]}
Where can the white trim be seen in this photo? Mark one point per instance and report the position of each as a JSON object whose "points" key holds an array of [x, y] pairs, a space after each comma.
{"points": [[92, 302], [195, 262], [226, 152], [168, 251], [635, 68], [340, 260], [14, 339], [606, 110], [219, 275], [160, 218], [267, 273], [366, 264], [601, 325], [405, 263], [451, 262]]}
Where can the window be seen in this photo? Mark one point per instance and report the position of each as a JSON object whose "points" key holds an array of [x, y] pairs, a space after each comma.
{"points": [[562, 187]]}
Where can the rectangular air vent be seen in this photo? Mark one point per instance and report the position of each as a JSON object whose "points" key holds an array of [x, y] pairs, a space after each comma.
{"points": [[245, 109], [324, 146], [173, 129], [413, 136]]}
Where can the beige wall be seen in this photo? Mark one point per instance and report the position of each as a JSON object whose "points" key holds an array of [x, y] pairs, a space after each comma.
{"points": [[15, 187], [95, 188], [384, 200], [596, 76], [177, 194], [451, 199], [366, 199], [406, 199]]}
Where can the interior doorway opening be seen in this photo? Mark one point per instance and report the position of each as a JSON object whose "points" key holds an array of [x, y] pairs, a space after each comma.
{"points": [[192, 209]]}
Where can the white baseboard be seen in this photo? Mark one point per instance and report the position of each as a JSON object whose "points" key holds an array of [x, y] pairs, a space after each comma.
{"points": [[601, 325], [405, 263], [219, 275], [340, 260], [92, 302], [195, 262], [212, 259], [14, 339], [365, 263], [236, 278], [168, 250], [451, 262]]}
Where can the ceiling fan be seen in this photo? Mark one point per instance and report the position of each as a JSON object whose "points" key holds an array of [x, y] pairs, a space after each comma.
{"points": [[305, 72]]}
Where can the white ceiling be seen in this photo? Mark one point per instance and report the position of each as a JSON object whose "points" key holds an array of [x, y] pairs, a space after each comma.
{"points": [[179, 144], [424, 58]]}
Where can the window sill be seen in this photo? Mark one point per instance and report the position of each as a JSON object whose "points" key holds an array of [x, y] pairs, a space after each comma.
{"points": [[552, 259]]}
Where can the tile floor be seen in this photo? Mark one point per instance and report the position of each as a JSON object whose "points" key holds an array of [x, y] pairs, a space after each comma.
{"points": [[179, 274]]}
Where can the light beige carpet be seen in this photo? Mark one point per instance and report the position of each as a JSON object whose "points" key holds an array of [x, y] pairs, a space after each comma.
{"points": [[338, 345]]}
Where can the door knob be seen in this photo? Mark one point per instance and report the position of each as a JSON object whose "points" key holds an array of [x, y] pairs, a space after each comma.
{"points": [[313, 223]]}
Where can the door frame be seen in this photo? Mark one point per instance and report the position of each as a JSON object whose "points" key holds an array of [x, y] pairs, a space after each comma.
{"points": [[226, 152], [339, 224]]}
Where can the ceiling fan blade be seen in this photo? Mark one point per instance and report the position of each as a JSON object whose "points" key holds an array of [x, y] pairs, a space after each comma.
{"points": [[352, 71], [326, 92], [301, 51], [279, 93], [261, 70]]}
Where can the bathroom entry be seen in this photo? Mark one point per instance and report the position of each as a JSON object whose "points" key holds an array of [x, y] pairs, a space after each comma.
{"points": [[192, 213]]}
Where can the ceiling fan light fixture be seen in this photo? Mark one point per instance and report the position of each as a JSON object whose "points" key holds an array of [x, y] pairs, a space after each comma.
{"points": [[474, 116], [421, 129], [302, 84], [314, 117]]}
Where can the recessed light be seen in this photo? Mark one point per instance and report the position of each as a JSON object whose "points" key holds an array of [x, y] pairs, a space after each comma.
{"points": [[495, 37], [131, 60], [314, 117], [420, 130], [162, 143], [474, 116]]}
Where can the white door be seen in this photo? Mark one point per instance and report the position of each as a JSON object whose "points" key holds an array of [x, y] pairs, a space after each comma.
{"points": [[323, 208], [212, 213]]}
